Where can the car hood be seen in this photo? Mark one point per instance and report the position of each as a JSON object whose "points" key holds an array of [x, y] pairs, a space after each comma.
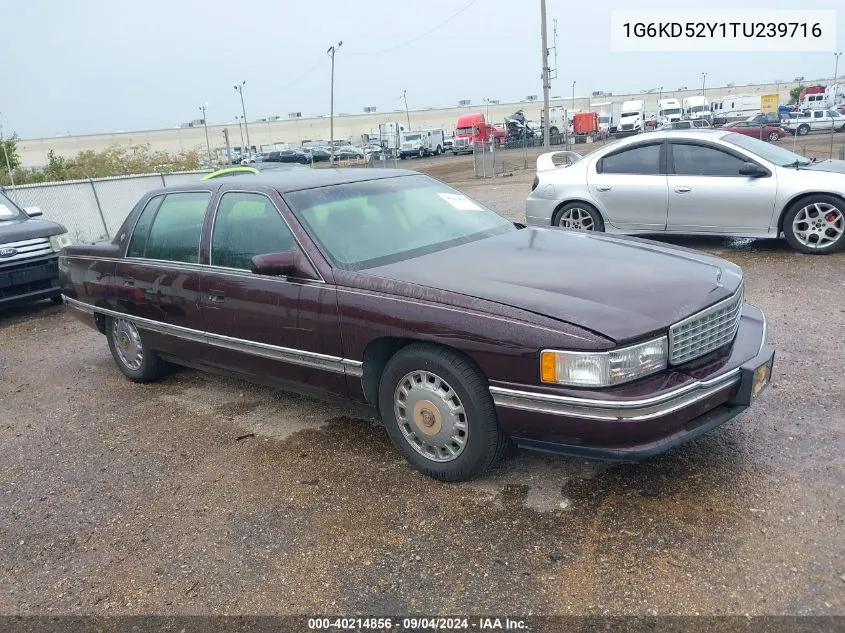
{"points": [[622, 288], [28, 229], [835, 166]]}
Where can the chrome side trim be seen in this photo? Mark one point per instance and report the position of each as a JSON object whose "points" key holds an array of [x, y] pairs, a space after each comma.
{"points": [[593, 409], [303, 358]]}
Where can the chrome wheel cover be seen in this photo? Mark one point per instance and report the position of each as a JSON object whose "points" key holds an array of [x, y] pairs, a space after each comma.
{"points": [[430, 416], [127, 344], [577, 219], [818, 225]]}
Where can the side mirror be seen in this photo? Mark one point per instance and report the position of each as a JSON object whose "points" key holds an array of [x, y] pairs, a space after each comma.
{"points": [[285, 263], [33, 212], [753, 170]]}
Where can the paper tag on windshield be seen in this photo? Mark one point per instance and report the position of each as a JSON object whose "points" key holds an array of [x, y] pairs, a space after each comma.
{"points": [[460, 202]]}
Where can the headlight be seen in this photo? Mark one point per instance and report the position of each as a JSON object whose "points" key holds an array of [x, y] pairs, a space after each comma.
{"points": [[604, 369], [58, 242]]}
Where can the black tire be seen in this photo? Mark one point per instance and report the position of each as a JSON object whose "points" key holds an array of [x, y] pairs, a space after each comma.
{"points": [[151, 366], [57, 300], [438, 151], [796, 208], [773, 136], [485, 443], [553, 131], [402, 156], [803, 129], [598, 222], [422, 153]]}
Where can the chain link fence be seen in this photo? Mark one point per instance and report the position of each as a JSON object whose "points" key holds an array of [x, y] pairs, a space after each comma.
{"points": [[93, 209]]}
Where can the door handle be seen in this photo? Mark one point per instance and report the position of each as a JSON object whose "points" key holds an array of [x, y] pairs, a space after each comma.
{"points": [[683, 189], [603, 187], [216, 296]]}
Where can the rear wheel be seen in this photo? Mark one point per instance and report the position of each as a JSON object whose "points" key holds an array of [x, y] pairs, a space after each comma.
{"points": [[133, 358], [438, 412], [578, 216], [816, 225]]}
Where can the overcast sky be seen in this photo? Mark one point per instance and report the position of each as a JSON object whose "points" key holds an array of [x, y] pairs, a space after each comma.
{"points": [[91, 66]]}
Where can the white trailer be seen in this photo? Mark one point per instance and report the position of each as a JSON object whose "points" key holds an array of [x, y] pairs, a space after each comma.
{"points": [[389, 135], [737, 107], [668, 111], [695, 108], [605, 112]]}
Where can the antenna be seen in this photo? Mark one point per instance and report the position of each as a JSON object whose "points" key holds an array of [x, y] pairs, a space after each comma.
{"points": [[553, 71]]}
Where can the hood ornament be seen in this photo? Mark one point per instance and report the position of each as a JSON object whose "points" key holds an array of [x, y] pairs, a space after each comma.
{"points": [[719, 278]]}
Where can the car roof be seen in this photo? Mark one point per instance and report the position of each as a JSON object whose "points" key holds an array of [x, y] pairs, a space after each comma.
{"points": [[703, 134], [285, 181]]}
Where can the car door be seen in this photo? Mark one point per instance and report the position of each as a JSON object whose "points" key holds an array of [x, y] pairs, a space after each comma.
{"points": [[629, 186], [821, 121], [158, 278], [277, 327], [707, 193]]}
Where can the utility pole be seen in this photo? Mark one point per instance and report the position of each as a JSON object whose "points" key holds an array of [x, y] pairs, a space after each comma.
{"points": [[330, 52], [407, 113], [703, 79], [239, 118], [203, 109], [836, 57], [545, 44], [240, 88], [228, 147]]}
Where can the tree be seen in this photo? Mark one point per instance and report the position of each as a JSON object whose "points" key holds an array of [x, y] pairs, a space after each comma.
{"points": [[795, 93], [9, 159]]}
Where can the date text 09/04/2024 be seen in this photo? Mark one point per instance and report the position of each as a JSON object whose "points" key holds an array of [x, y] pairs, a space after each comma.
{"points": [[722, 29], [417, 624]]}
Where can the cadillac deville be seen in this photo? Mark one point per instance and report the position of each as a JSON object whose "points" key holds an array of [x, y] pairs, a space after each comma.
{"points": [[390, 288]]}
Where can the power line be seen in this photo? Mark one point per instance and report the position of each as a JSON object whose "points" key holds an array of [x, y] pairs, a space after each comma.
{"points": [[418, 38], [304, 75]]}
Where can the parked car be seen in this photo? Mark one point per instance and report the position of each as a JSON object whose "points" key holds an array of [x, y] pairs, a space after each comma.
{"points": [[348, 153], [344, 282], [253, 168], [706, 182], [686, 124], [29, 263], [769, 118], [763, 131], [318, 154], [816, 121], [286, 156]]}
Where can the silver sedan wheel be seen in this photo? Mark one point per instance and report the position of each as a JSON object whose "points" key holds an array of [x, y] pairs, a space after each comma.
{"points": [[431, 416], [127, 343], [818, 225], [577, 219]]}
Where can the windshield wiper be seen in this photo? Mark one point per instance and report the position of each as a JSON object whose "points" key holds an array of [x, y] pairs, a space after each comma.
{"points": [[798, 163]]}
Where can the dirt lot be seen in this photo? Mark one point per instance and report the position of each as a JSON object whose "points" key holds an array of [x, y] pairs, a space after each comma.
{"points": [[202, 494]]}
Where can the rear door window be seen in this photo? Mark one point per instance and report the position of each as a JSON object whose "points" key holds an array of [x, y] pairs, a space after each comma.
{"points": [[175, 231], [640, 160]]}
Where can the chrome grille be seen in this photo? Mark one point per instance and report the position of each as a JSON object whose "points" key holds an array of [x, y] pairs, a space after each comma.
{"points": [[27, 249], [705, 331]]}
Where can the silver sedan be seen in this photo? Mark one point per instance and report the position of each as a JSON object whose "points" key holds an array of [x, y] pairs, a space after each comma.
{"points": [[702, 182]]}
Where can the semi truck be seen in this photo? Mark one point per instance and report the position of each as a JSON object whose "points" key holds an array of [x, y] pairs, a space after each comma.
{"points": [[473, 128], [421, 143], [605, 112], [632, 118], [668, 111], [832, 97], [695, 108]]}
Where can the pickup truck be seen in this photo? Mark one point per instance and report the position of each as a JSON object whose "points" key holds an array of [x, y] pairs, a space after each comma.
{"points": [[29, 259], [802, 123]]}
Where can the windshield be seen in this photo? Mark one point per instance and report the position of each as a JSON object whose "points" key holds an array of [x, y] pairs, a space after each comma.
{"points": [[464, 130], [671, 111], [699, 108], [376, 222], [767, 151], [604, 119], [8, 210], [412, 137], [635, 113]]}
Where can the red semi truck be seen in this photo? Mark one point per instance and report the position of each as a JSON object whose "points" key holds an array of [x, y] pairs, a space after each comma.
{"points": [[471, 129]]}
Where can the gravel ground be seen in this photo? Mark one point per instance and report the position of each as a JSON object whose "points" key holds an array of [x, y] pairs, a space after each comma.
{"points": [[206, 495]]}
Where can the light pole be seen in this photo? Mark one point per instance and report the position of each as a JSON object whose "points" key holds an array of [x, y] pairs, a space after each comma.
{"points": [[835, 72], [703, 79], [330, 52], [407, 113], [203, 109], [487, 101], [239, 118], [573, 96], [240, 89]]}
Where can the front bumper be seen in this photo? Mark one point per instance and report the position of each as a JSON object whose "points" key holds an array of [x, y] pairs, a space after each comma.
{"points": [[667, 410], [29, 280]]}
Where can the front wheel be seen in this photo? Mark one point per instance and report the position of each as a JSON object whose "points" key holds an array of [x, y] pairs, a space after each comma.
{"points": [[774, 136], [438, 412], [816, 225], [137, 362], [578, 216], [803, 130]]}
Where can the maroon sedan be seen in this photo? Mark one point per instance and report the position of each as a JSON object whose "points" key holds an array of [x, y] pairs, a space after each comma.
{"points": [[762, 131], [464, 330]]}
